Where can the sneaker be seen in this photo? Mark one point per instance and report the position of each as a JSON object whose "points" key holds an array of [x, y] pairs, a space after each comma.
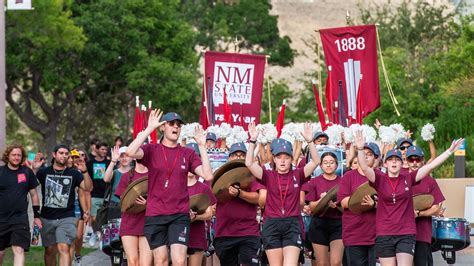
{"points": [[93, 240], [77, 260]]}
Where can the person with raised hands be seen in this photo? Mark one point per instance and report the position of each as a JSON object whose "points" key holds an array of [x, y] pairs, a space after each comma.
{"points": [[281, 234], [395, 219], [167, 211]]}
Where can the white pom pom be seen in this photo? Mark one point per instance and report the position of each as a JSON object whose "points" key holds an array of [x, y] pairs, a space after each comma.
{"points": [[427, 132], [267, 131], [399, 131], [225, 131], [387, 135], [238, 135], [334, 133], [316, 127], [369, 133]]}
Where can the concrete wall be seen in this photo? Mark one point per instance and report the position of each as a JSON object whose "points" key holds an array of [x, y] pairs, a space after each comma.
{"points": [[454, 190]]}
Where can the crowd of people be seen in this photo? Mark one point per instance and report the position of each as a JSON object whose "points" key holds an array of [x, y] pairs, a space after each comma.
{"points": [[272, 221]]}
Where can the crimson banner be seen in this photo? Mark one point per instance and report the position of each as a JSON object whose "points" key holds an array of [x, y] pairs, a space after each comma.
{"points": [[351, 58], [241, 76]]}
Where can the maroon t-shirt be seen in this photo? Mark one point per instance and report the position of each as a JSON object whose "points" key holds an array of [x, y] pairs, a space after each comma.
{"points": [[287, 186], [197, 230], [394, 218], [167, 179], [237, 217], [423, 224], [132, 223], [318, 185], [357, 229], [404, 170]]}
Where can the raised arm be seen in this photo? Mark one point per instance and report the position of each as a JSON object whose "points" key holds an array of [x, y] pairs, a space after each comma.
{"points": [[134, 149], [359, 143], [86, 184], [204, 169], [251, 164], [432, 151], [109, 172], [428, 168], [308, 136]]}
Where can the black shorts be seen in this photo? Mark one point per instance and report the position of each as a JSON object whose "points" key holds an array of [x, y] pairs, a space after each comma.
{"points": [[360, 255], [238, 250], [192, 251], [281, 232], [423, 255], [323, 231], [389, 246], [17, 234], [167, 230]]}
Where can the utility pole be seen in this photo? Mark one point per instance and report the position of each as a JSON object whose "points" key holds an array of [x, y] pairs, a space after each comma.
{"points": [[3, 87]]}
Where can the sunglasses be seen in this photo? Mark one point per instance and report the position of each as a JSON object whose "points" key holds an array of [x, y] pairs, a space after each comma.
{"points": [[174, 122], [402, 148], [415, 160]]}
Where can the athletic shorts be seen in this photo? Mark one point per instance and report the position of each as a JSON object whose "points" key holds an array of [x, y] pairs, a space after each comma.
{"points": [[17, 234], [323, 231], [238, 250], [58, 231], [360, 255], [192, 251], [96, 203], [167, 230], [281, 232], [389, 246], [423, 255]]}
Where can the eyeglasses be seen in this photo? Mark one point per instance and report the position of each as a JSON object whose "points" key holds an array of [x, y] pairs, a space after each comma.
{"points": [[402, 148], [414, 160], [173, 123], [328, 162]]}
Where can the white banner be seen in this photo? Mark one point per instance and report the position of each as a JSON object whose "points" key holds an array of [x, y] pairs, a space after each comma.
{"points": [[19, 4]]}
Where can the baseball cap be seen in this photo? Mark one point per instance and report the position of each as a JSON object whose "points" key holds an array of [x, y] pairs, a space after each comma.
{"points": [[122, 149], [211, 136], [320, 134], [239, 146], [415, 151], [374, 148], [282, 146], [75, 153], [403, 140], [60, 146], [194, 147], [170, 117], [392, 153]]}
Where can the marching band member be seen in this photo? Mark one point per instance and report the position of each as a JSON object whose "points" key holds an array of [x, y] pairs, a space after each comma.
{"points": [[167, 212], [358, 230], [197, 234], [237, 239], [282, 230], [427, 185], [325, 232], [395, 219], [131, 226]]}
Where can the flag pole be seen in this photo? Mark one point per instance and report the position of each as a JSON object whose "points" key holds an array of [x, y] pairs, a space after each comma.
{"points": [[268, 90]]}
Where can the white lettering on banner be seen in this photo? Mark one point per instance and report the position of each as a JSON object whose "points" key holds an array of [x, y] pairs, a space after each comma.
{"points": [[236, 79], [236, 118], [350, 44]]}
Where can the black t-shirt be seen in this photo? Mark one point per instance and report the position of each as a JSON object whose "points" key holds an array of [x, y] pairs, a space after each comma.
{"points": [[14, 187], [58, 189], [96, 171]]}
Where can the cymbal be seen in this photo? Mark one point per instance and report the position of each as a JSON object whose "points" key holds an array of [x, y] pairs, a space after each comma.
{"points": [[423, 201], [355, 201], [199, 203], [134, 190], [226, 167], [323, 203], [240, 176]]}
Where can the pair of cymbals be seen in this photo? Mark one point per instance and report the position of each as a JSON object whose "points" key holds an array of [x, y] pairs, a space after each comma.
{"points": [[134, 190], [357, 197], [323, 206], [199, 203], [423, 202], [232, 173]]}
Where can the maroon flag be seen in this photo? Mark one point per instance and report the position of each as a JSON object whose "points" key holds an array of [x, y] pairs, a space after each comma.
{"points": [[241, 76], [227, 112], [329, 99], [281, 119], [137, 127], [351, 52], [319, 106]]}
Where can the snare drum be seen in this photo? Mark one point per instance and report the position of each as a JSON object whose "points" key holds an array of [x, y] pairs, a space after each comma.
{"points": [[110, 238], [451, 233]]}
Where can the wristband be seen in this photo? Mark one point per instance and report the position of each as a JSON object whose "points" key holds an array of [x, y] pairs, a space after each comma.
{"points": [[309, 141], [114, 161], [253, 141], [238, 193], [450, 152], [359, 149], [36, 211], [84, 171]]}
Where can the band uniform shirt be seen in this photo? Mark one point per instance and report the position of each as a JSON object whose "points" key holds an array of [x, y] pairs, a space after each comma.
{"points": [[318, 185]]}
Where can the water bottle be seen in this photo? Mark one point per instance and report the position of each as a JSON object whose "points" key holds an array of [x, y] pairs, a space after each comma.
{"points": [[35, 236]]}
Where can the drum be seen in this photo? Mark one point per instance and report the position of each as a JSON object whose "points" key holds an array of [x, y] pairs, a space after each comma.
{"points": [[110, 238], [452, 234]]}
